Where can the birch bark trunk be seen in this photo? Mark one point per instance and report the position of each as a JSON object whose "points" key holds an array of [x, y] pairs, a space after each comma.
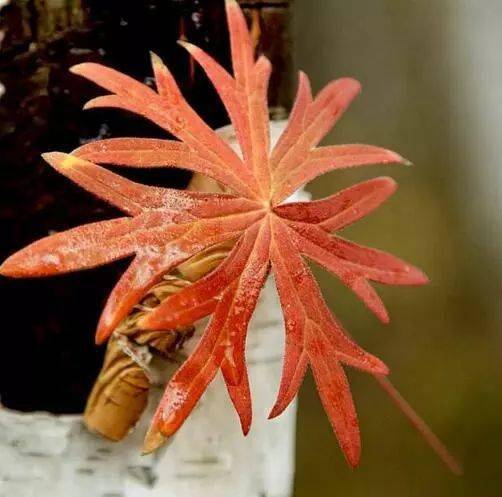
{"points": [[44, 455]]}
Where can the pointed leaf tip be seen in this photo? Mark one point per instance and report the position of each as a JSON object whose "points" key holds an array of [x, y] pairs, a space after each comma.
{"points": [[353, 457], [156, 60], [421, 277], [153, 440], [381, 368], [185, 44], [59, 160], [6, 268], [416, 277], [74, 69], [387, 180], [192, 49], [356, 84], [15, 267], [348, 84], [79, 68], [100, 337], [372, 365], [102, 334]]}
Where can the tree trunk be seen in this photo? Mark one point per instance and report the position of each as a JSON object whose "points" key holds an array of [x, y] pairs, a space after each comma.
{"points": [[44, 455], [51, 363]]}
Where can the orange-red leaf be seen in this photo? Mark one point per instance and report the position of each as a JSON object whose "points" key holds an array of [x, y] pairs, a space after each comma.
{"points": [[342, 208], [314, 337], [177, 308], [167, 227], [322, 160], [84, 247], [223, 343], [191, 380], [170, 111], [313, 120], [335, 396], [244, 95], [373, 264]]}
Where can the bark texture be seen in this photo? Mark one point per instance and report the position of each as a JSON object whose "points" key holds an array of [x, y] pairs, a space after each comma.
{"points": [[44, 455]]}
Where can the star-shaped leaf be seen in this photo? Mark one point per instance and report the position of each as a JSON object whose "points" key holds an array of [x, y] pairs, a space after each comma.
{"points": [[165, 227]]}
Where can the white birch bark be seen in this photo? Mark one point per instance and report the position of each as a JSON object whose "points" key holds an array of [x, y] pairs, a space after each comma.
{"points": [[43, 455]]}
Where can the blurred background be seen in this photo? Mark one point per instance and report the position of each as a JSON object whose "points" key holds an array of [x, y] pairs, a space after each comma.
{"points": [[432, 90]]}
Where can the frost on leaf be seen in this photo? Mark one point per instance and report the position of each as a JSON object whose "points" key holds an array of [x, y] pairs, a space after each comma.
{"points": [[162, 228]]}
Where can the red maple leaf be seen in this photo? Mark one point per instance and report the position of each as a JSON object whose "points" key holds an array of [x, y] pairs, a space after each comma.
{"points": [[165, 227]]}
